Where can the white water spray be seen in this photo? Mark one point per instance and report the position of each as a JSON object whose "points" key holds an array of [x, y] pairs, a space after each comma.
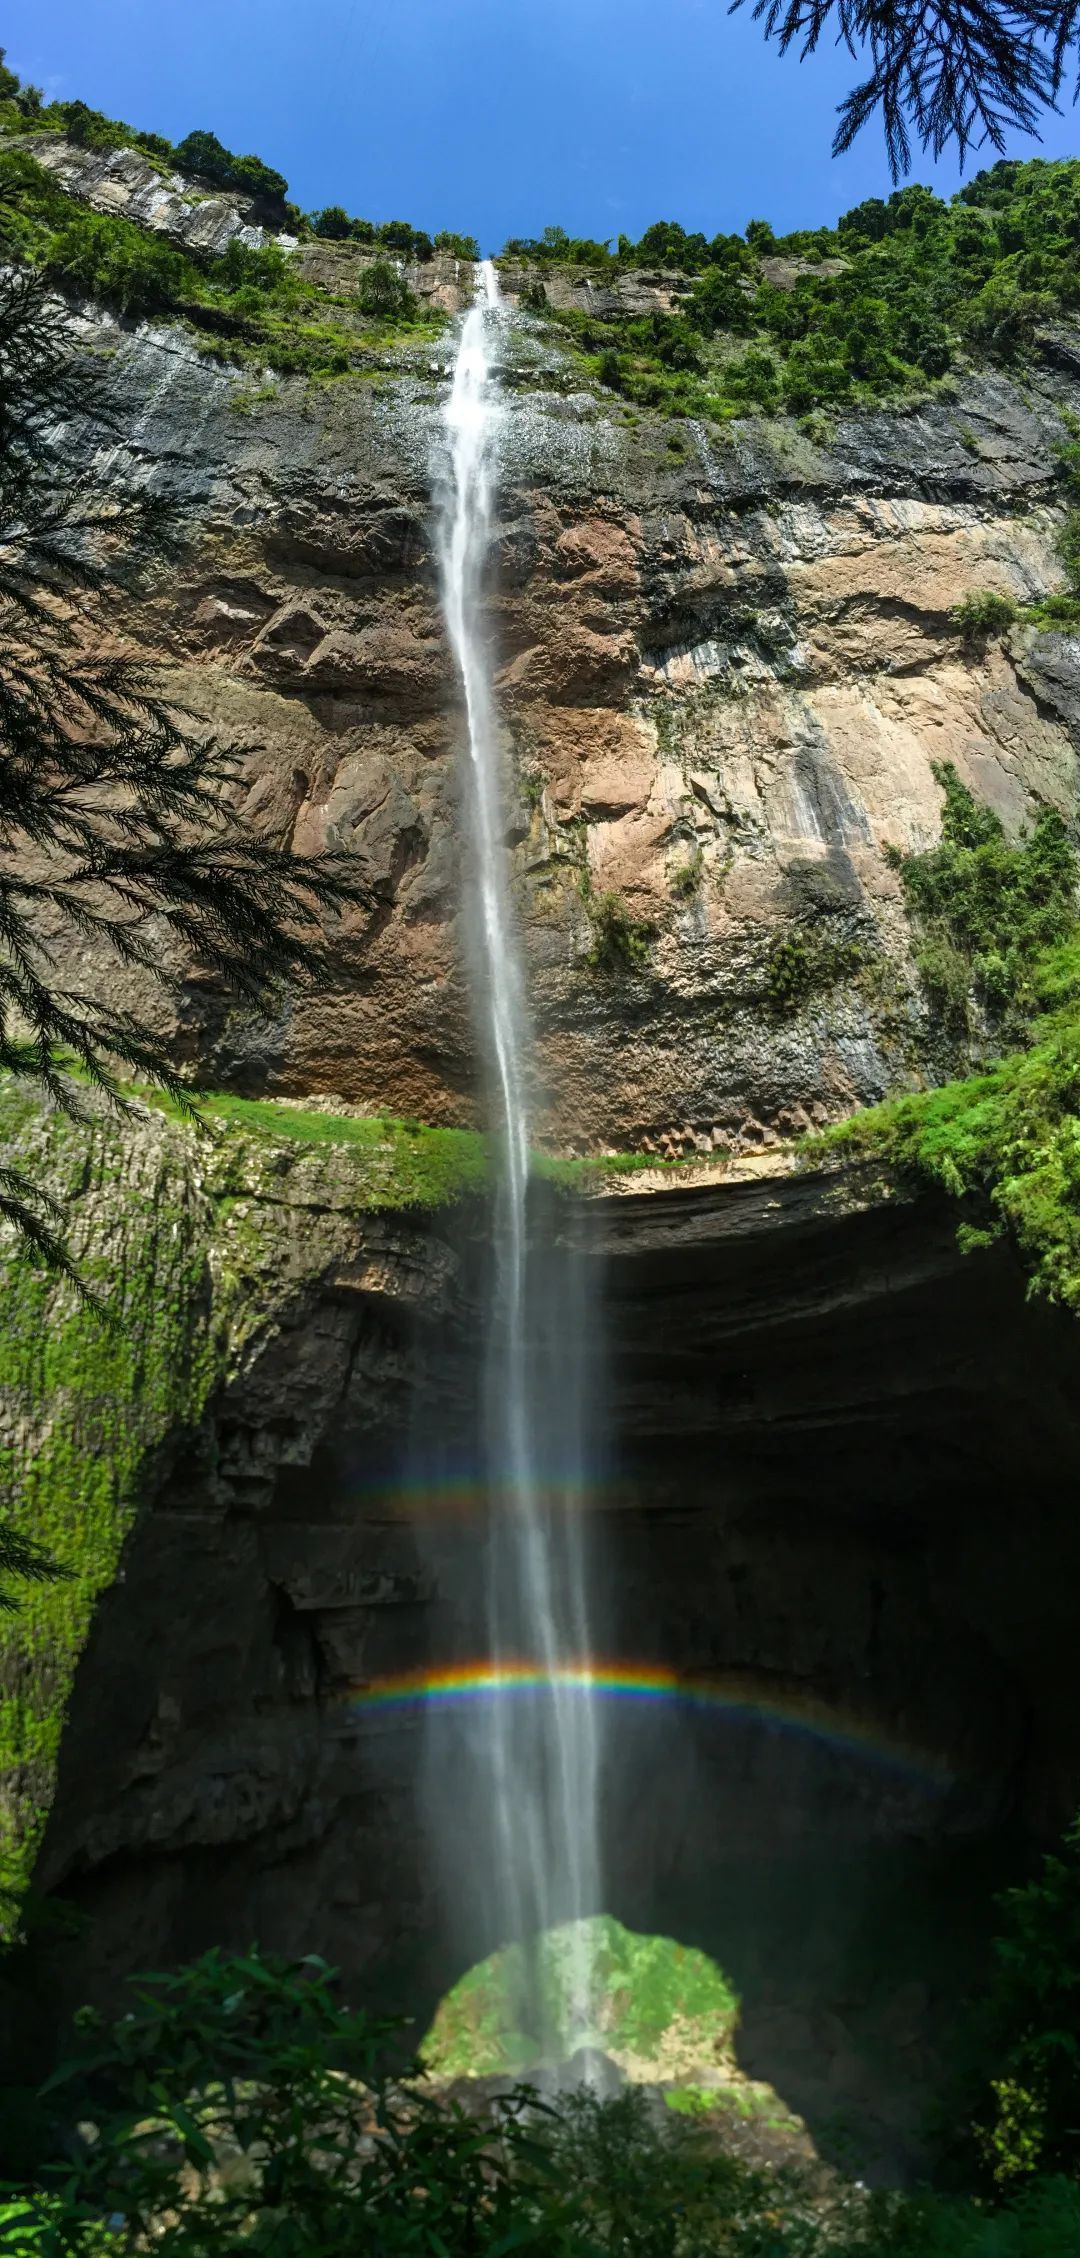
{"points": [[540, 1754]]}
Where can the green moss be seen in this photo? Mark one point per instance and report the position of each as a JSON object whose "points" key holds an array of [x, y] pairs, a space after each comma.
{"points": [[620, 941], [176, 1230], [809, 961], [393, 1164], [85, 1403], [651, 2001]]}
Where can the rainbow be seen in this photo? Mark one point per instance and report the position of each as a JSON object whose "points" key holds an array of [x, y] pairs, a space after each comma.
{"points": [[462, 1683]]}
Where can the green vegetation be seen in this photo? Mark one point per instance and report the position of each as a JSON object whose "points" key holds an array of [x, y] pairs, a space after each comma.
{"points": [[620, 941], [916, 284], [86, 1401], [238, 2107], [655, 2006], [1033, 2023], [249, 304], [1005, 1142], [983, 614], [457, 246], [396, 1164], [881, 306], [382, 289], [984, 910], [22, 110], [686, 878], [997, 946], [807, 962], [205, 156], [335, 225]]}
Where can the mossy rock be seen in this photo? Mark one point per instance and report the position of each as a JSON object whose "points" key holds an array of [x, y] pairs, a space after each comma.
{"points": [[658, 2008]]}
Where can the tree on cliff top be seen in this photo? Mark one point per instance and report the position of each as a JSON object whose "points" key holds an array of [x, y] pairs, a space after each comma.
{"points": [[115, 818], [963, 71]]}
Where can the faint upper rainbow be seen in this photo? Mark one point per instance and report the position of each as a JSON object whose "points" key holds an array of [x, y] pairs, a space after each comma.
{"points": [[463, 1683]]}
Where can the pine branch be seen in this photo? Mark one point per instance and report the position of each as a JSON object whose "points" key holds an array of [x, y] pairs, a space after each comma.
{"points": [[966, 72], [116, 821]]}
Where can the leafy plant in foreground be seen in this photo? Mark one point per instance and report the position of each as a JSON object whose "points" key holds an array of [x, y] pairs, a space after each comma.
{"points": [[1033, 2121], [238, 2107]]}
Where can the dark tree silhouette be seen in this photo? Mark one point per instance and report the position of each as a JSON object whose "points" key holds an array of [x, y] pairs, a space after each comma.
{"points": [[115, 820], [962, 71]]}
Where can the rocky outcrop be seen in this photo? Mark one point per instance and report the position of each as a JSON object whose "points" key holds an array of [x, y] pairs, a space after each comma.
{"points": [[726, 663]]}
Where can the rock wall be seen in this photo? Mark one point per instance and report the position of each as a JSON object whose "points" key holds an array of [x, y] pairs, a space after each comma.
{"points": [[826, 1418], [724, 673], [726, 662]]}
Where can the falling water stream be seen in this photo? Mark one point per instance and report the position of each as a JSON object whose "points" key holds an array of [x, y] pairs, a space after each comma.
{"points": [[538, 1748]]}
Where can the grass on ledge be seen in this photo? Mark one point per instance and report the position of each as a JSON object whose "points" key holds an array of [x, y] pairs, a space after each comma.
{"points": [[412, 1163]]}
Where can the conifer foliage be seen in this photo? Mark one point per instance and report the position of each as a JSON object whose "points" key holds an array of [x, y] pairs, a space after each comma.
{"points": [[115, 815], [962, 71]]}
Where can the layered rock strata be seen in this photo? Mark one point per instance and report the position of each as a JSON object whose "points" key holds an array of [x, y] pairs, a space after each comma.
{"points": [[726, 663]]}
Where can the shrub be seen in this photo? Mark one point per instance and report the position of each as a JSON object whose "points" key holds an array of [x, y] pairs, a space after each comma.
{"points": [[110, 259], [611, 369], [333, 223], [239, 2108], [685, 880], [984, 910], [982, 614], [457, 246], [259, 268], [202, 153], [383, 290], [720, 300], [1033, 2120], [408, 242], [620, 941]]}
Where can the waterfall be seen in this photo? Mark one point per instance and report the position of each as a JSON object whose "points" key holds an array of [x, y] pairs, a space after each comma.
{"points": [[537, 1748]]}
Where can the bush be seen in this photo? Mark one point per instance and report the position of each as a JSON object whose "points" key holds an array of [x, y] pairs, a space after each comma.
{"points": [[621, 942], [383, 290], [985, 911], [1033, 2121], [982, 614], [202, 153], [110, 259], [457, 246], [245, 266], [89, 129], [333, 223], [239, 2108]]}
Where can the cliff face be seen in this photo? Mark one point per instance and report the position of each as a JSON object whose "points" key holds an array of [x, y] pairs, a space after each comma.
{"points": [[825, 1416], [725, 664]]}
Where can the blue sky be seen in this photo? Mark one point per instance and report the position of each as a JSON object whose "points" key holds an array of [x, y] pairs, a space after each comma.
{"points": [[493, 116]]}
